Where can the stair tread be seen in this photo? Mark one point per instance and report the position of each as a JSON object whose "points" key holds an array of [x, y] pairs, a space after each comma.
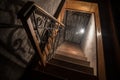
{"points": [[68, 73], [71, 49], [72, 60], [71, 55], [82, 68]]}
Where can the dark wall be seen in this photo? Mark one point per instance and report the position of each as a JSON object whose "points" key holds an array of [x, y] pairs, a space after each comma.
{"points": [[14, 43], [108, 41], [11, 72], [48, 5], [116, 15], [9, 8]]}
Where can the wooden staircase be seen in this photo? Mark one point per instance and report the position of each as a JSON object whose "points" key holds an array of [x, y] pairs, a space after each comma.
{"points": [[69, 70], [57, 69], [68, 63], [63, 67]]}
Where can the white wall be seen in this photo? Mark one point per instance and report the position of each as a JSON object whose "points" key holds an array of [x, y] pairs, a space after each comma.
{"points": [[89, 43]]}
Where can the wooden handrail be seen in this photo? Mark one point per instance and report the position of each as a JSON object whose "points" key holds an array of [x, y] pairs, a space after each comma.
{"points": [[48, 15], [28, 17]]}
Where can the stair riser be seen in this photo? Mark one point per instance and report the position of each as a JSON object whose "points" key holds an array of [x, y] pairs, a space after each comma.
{"points": [[67, 73], [80, 68], [72, 60]]}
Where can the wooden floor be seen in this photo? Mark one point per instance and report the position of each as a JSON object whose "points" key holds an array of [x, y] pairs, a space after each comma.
{"points": [[71, 49]]}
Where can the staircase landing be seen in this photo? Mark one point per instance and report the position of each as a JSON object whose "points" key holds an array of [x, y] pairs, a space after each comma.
{"points": [[71, 50]]}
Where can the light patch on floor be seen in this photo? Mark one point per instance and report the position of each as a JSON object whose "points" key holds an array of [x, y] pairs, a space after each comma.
{"points": [[72, 50]]}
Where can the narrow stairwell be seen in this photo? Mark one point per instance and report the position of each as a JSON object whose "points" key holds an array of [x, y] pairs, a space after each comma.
{"points": [[68, 62], [68, 65]]}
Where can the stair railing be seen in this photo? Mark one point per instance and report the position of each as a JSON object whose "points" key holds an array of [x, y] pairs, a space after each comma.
{"points": [[41, 28]]}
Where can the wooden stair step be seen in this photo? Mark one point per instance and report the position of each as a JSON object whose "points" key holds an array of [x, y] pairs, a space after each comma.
{"points": [[81, 68], [72, 60], [67, 73], [71, 55]]}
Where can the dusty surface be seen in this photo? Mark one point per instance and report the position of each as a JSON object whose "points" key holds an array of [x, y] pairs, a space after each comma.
{"points": [[72, 50]]}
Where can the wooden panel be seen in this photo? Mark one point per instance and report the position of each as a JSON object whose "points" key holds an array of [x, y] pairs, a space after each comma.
{"points": [[79, 5]]}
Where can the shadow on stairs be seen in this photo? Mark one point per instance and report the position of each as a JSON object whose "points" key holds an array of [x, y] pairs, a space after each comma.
{"points": [[62, 67], [68, 70]]}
